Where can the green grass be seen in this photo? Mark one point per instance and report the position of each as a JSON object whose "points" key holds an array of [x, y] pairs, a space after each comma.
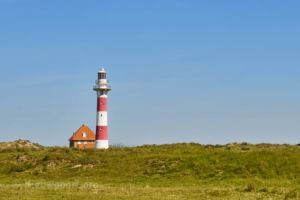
{"points": [[177, 171]]}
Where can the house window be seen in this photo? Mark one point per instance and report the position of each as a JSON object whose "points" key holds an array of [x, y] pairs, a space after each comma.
{"points": [[85, 143], [84, 135]]}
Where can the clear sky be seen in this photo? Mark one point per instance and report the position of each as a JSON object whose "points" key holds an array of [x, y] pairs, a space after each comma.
{"points": [[209, 71]]}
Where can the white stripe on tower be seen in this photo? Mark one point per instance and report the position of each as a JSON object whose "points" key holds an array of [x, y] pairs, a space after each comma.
{"points": [[102, 87]]}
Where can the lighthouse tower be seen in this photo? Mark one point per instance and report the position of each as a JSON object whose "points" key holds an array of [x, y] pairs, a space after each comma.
{"points": [[102, 88]]}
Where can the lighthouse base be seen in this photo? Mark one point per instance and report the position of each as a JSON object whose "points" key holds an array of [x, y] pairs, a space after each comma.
{"points": [[101, 144]]}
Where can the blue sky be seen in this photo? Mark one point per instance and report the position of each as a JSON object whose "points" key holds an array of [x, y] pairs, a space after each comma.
{"points": [[181, 71]]}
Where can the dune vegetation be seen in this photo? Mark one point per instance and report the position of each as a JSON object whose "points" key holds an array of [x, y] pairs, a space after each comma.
{"points": [[174, 171]]}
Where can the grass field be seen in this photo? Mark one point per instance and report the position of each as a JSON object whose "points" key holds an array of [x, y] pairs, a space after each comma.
{"points": [[176, 171]]}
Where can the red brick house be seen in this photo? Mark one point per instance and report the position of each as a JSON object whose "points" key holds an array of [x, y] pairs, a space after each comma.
{"points": [[83, 138]]}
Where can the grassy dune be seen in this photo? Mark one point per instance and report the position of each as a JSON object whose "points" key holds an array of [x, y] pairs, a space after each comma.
{"points": [[177, 171]]}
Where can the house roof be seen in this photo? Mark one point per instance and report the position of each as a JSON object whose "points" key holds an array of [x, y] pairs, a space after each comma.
{"points": [[83, 133]]}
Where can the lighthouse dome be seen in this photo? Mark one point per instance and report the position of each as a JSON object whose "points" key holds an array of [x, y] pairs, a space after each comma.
{"points": [[102, 70]]}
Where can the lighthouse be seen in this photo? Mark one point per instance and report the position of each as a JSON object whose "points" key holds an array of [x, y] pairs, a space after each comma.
{"points": [[102, 88]]}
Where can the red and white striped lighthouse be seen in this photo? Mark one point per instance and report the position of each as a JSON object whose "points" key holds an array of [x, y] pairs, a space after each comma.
{"points": [[102, 88]]}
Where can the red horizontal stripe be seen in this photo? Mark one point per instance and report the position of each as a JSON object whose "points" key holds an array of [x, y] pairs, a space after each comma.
{"points": [[101, 133], [101, 104]]}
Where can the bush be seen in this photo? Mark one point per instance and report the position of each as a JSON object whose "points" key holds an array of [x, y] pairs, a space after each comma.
{"points": [[18, 167]]}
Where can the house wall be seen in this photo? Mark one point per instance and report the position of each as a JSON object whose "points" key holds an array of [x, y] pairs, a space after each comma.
{"points": [[83, 144]]}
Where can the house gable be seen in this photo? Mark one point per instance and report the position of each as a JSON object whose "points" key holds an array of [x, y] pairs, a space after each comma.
{"points": [[84, 133]]}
